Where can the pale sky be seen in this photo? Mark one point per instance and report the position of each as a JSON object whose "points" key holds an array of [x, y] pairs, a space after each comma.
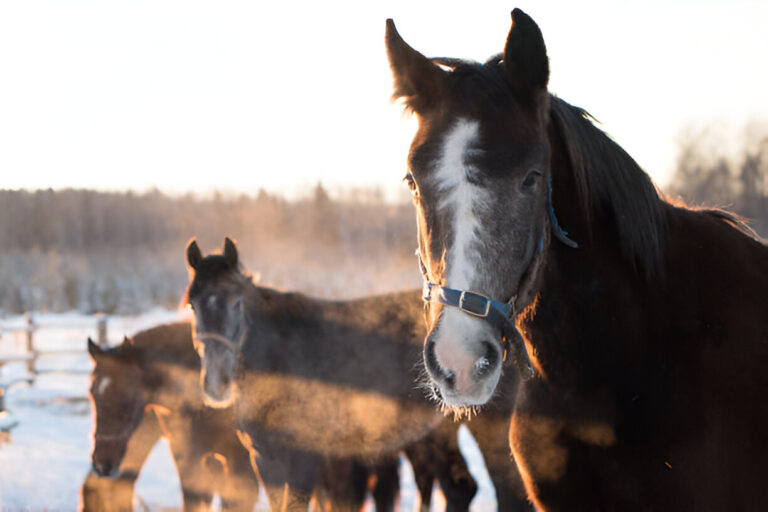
{"points": [[188, 95]]}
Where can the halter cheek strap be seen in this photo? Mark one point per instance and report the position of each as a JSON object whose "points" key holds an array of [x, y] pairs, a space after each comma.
{"points": [[559, 232]]}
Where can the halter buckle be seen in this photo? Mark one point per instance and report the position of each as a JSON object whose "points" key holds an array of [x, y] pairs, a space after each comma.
{"points": [[468, 308]]}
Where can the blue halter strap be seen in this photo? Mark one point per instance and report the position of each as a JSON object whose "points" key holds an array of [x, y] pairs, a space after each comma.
{"points": [[559, 232]]}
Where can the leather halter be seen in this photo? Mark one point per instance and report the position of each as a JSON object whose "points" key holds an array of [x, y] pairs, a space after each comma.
{"points": [[500, 315], [122, 435], [234, 346]]}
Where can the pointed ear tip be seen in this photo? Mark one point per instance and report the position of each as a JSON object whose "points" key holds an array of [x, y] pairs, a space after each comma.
{"points": [[520, 17], [518, 13], [391, 34]]}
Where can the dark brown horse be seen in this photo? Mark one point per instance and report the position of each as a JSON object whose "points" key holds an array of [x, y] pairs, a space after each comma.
{"points": [[152, 377], [645, 323], [313, 379]]}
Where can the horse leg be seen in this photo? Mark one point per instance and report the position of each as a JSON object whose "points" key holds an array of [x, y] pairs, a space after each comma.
{"points": [[289, 475], [457, 483], [240, 490], [421, 460], [196, 485], [490, 430], [437, 456], [342, 485], [387, 484]]}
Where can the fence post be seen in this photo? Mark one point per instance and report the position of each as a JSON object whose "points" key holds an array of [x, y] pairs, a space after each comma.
{"points": [[101, 329], [30, 342]]}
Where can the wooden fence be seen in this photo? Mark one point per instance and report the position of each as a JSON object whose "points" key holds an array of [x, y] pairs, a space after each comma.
{"points": [[31, 352]]}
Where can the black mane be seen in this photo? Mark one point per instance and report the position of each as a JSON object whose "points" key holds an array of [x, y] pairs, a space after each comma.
{"points": [[610, 182]]}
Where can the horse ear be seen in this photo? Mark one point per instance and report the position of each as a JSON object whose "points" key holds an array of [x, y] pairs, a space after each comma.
{"points": [[93, 349], [230, 252], [125, 349], [526, 64], [194, 256], [417, 79]]}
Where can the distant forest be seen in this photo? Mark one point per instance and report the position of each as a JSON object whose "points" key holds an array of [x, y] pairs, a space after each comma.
{"points": [[713, 169], [124, 252]]}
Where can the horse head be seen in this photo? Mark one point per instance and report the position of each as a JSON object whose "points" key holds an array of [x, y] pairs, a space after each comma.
{"points": [[118, 403], [215, 294], [479, 172]]}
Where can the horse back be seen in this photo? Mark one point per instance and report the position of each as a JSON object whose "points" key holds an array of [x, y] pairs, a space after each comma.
{"points": [[715, 340]]}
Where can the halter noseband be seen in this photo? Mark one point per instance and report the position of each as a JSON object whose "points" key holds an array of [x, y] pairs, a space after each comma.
{"points": [[122, 435], [500, 315], [234, 346]]}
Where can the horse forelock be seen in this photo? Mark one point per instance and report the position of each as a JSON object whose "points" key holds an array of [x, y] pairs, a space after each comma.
{"points": [[213, 270], [609, 182]]}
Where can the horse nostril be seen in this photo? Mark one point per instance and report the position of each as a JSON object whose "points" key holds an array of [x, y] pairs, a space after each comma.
{"points": [[430, 358], [450, 379], [485, 364], [434, 368]]}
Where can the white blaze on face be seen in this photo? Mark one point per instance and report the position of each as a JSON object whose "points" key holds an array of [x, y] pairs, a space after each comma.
{"points": [[458, 336], [459, 199], [103, 385]]}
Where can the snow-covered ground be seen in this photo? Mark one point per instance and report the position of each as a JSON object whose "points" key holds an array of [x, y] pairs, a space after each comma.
{"points": [[45, 458]]}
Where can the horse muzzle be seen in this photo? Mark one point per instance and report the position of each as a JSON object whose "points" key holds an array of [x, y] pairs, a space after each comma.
{"points": [[464, 367]]}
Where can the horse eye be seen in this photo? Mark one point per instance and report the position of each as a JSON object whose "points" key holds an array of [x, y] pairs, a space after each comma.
{"points": [[530, 179], [411, 183]]}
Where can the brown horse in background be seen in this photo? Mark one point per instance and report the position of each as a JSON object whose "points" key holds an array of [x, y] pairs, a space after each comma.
{"points": [[115, 493], [645, 323], [313, 378], [153, 379]]}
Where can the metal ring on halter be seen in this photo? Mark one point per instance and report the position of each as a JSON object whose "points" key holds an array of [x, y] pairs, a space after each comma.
{"points": [[234, 346]]}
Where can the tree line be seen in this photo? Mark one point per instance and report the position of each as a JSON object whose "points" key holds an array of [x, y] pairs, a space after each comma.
{"points": [[715, 168], [123, 252]]}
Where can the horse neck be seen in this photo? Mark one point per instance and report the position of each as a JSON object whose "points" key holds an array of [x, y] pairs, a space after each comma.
{"points": [[607, 275], [602, 196], [167, 377]]}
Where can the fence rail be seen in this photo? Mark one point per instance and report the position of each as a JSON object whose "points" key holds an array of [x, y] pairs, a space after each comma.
{"points": [[32, 353]]}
